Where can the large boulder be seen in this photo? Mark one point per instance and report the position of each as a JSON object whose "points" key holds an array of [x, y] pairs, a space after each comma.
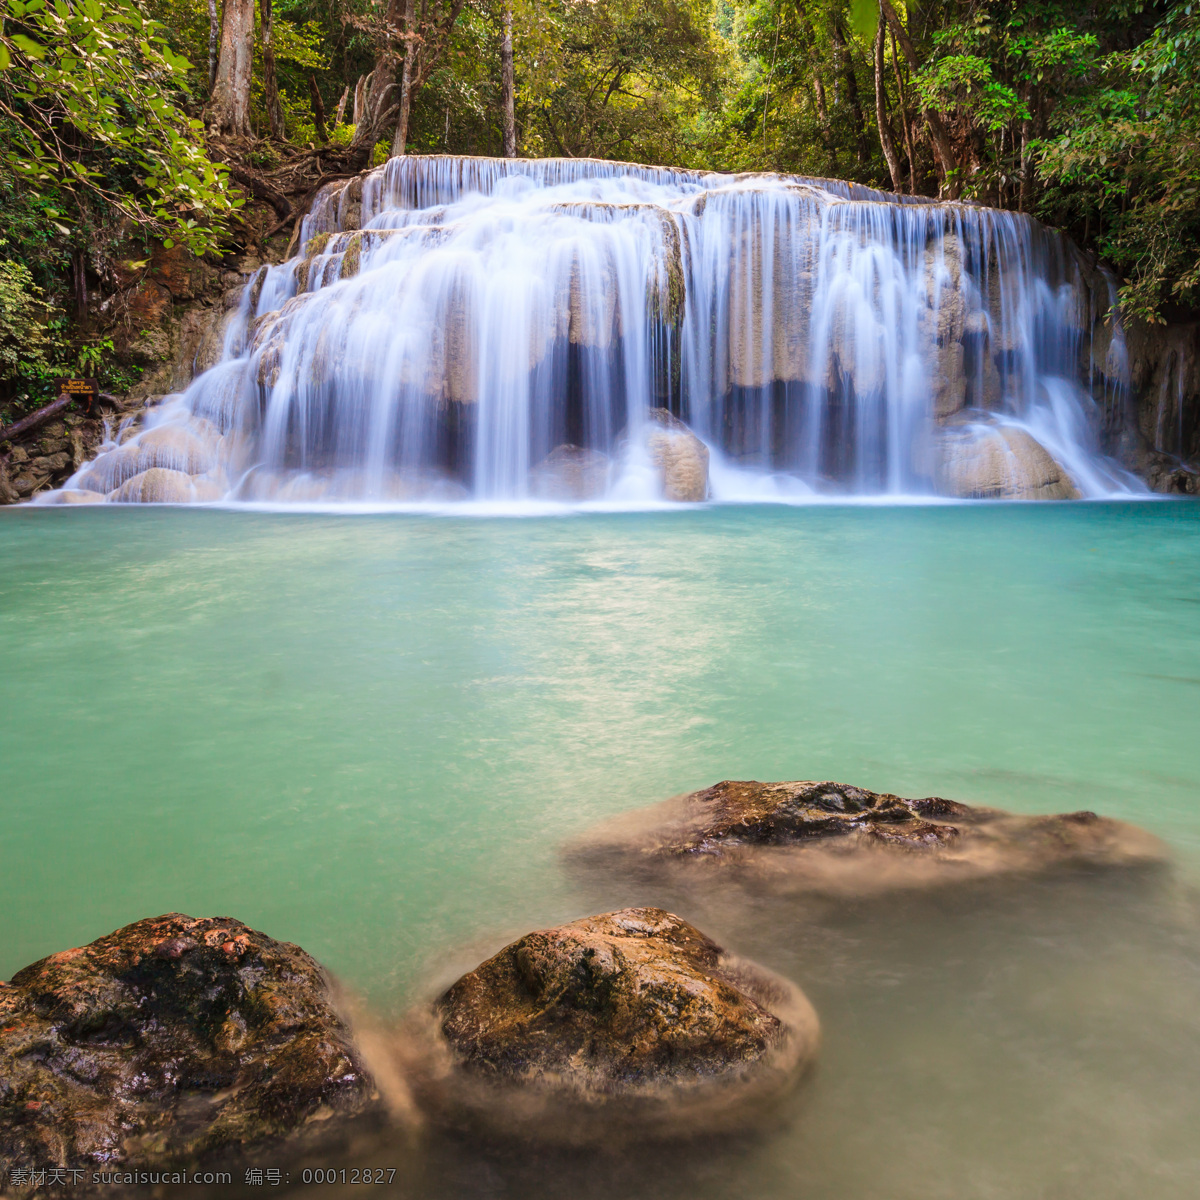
{"points": [[836, 839], [982, 461], [160, 485], [630, 1024], [680, 457], [165, 1041]]}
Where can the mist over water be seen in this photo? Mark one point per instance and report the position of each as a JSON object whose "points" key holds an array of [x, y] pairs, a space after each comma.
{"points": [[447, 323], [371, 735]]}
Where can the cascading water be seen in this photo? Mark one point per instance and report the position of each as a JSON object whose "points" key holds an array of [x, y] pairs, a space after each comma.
{"points": [[494, 329]]}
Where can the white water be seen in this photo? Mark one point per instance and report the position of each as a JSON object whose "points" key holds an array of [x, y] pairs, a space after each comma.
{"points": [[816, 335]]}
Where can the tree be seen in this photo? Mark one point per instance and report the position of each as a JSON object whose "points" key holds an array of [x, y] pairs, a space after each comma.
{"points": [[270, 83], [424, 28], [621, 78], [1123, 157], [229, 110], [508, 84], [881, 115], [91, 106]]}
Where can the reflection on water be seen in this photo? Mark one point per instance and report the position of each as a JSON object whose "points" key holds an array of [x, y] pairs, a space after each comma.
{"points": [[371, 735]]}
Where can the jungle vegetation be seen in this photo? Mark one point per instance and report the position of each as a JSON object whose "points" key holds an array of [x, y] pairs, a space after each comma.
{"points": [[156, 122]]}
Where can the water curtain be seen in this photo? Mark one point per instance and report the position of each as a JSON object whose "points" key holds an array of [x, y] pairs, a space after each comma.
{"points": [[463, 328]]}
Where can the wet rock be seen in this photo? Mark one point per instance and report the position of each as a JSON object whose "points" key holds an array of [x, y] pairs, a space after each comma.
{"points": [[632, 1024], [571, 473], [182, 274], [680, 456], [73, 496], [949, 382], [169, 1039], [158, 485], [149, 303], [49, 463], [180, 449], [836, 839], [770, 302], [998, 462], [28, 482]]}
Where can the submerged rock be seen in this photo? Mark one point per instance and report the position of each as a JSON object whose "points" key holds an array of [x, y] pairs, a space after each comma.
{"points": [[73, 496], [166, 1040], [836, 839], [571, 473], [629, 1024]]}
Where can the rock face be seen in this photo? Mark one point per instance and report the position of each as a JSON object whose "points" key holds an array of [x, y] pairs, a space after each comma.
{"points": [[998, 462], [632, 1023], [166, 1040], [835, 839], [680, 456]]}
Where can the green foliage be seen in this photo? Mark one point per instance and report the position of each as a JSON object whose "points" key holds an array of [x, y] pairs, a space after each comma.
{"points": [[1127, 157], [619, 78], [25, 347], [1085, 115], [91, 95]]}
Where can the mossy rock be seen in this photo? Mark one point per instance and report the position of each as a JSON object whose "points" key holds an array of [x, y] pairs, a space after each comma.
{"points": [[165, 1041], [628, 1025], [836, 839]]}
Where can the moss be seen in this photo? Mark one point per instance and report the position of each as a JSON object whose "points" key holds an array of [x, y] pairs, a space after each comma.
{"points": [[666, 298], [352, 258], [316, 244]]}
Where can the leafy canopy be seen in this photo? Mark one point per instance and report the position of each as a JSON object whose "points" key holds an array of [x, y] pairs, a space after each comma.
{"points": [[91, 101]]}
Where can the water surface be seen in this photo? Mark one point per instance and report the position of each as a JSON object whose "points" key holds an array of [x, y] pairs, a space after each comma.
{"points": [[370, 735]]}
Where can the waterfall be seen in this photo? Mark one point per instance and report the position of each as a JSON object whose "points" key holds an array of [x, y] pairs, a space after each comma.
{"points": [[499, 330]]}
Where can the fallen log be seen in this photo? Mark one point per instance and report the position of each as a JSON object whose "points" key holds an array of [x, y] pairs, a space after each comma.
{"points": [[40, 417]]}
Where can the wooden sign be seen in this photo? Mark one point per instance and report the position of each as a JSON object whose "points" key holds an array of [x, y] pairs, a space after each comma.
{"points": [[84, 391]]}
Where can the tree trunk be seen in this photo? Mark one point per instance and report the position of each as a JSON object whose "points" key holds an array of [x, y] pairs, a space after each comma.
{"points": [[508, 99], [360, 90], [214, 41], [318, 109], [842, 51], [34, 419], [406, 78], [823, 113], [341, 108], [376, 109], [1026, 163], [937, 128], [908, 129], [881, 114], [270, 84], [230, 111], [81, 295]]}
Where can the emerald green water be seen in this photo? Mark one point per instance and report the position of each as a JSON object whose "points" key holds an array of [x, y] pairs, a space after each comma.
{"points": [[369, 734]]}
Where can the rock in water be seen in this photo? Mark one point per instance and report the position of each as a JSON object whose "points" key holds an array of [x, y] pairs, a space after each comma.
{"points": [[998, 462], [630, 1024], [571, 473], [167, 1040], [161, 485], [835, 839], [680, 456]]}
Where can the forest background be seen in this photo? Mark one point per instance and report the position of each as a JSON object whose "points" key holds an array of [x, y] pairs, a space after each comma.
{"points": [[143, 123]]}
